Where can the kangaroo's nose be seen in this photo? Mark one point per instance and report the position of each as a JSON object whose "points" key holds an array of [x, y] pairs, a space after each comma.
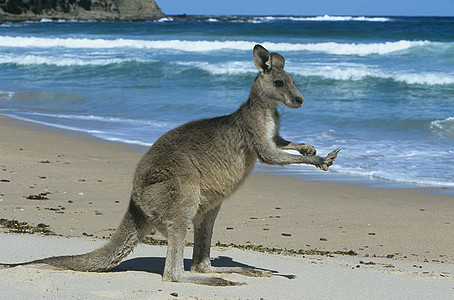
{"points": [[299, 100]]}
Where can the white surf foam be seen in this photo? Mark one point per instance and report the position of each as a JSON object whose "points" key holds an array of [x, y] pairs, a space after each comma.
{"points": [[45, 20], [393, 177], [347, 18], [62, 61], [361, 49], [133, 122], [121, 140], [357, 72], [72, 128], [59, 61], [424, 78], [191, 46], [444, 126], [109, 133], [4, 95], [353, 48], [165, 19], [324, 18], [339, 71]]}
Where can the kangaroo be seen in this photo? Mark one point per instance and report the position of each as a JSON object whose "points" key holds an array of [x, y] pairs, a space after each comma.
{"points": [[190, 170]]}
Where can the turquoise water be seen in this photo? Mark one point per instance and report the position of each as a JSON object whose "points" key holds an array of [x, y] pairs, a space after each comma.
{"points": [[380, 88]]}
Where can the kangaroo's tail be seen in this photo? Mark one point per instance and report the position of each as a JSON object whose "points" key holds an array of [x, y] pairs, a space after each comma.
{"points": [[131, 231]]}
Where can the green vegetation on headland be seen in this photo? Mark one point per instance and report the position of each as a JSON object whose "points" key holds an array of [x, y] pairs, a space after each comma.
{"points": [[81, 10]]}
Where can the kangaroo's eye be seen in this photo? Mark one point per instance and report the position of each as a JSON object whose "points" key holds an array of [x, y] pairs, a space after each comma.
{"points": [[279, 83]]}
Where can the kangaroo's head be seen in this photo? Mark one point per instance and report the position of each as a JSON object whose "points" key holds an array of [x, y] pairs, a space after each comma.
{"points": [[273, 83]]}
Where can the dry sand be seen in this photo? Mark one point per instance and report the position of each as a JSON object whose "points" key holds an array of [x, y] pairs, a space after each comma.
{"points": [[88, 182], [139, 276]]}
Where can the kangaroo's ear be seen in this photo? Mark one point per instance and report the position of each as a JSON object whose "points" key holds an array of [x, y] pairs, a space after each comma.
{"points": [[277, 61], [262, 59]]}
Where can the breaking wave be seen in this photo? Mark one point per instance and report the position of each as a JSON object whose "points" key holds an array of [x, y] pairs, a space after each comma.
{"points": [[62, 62], [354, 72], [323, 18], [357, 72], [360, 49], [6, 95], [443, 127], [339, 71]]}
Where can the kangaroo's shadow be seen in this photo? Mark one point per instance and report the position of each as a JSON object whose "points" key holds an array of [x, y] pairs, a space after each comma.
{"points": [[156, 265]]}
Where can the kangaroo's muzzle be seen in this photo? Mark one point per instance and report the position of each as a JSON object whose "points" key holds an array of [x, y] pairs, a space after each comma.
{"points": [[299, 101]]}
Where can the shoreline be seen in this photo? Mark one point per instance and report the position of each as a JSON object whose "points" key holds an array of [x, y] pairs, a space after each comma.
{"points": [[315, 175], [88, 181], [308, 173]]}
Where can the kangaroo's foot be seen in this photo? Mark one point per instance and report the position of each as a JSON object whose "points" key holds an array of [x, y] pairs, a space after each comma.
{"points": [[328, 160], [251, 272], [204, 280]]}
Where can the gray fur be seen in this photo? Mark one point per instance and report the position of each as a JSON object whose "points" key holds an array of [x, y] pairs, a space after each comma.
{"points": [[190, 170]]}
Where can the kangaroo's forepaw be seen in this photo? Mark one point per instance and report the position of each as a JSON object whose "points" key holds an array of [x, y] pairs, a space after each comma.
{"points": [[307, 150], [329, 160]]}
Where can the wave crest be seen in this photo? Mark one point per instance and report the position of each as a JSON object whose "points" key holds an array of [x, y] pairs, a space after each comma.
{"points": [[444, 127], [6, 95], [361, 49], [354, 72], [339, 71], [25, 60], [324, 18]]}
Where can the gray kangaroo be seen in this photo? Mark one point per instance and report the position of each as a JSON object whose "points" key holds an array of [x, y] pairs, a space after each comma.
{"points": [[190, 170]]}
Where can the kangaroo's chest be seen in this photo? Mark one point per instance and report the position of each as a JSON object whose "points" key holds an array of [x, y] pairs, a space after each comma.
{"points": [[271, 126]]}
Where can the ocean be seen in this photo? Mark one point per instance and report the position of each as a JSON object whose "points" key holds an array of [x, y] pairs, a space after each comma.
{"points": [[380, 88]]}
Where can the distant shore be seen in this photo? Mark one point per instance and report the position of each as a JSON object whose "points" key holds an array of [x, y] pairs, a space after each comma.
{"points": [[63, 17], [87, 182], [91, 10]]}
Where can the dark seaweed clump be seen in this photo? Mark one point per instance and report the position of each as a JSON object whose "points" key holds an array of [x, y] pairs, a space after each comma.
{"points": [[263, 249], [260, 248], [15, 226]]}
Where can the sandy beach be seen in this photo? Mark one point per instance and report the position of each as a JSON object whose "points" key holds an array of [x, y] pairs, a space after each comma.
{"points": [[87, 183], [139, 276]]}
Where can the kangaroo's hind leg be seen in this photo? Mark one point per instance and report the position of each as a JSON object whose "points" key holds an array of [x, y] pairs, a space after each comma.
{"points": [[176, 226], [202, 242]]}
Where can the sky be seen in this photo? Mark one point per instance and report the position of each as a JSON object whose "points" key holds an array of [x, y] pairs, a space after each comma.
{"points": [[309, 7]]}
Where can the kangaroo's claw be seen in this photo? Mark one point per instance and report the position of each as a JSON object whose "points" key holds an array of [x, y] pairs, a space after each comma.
{"points": [[329, 159]]}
